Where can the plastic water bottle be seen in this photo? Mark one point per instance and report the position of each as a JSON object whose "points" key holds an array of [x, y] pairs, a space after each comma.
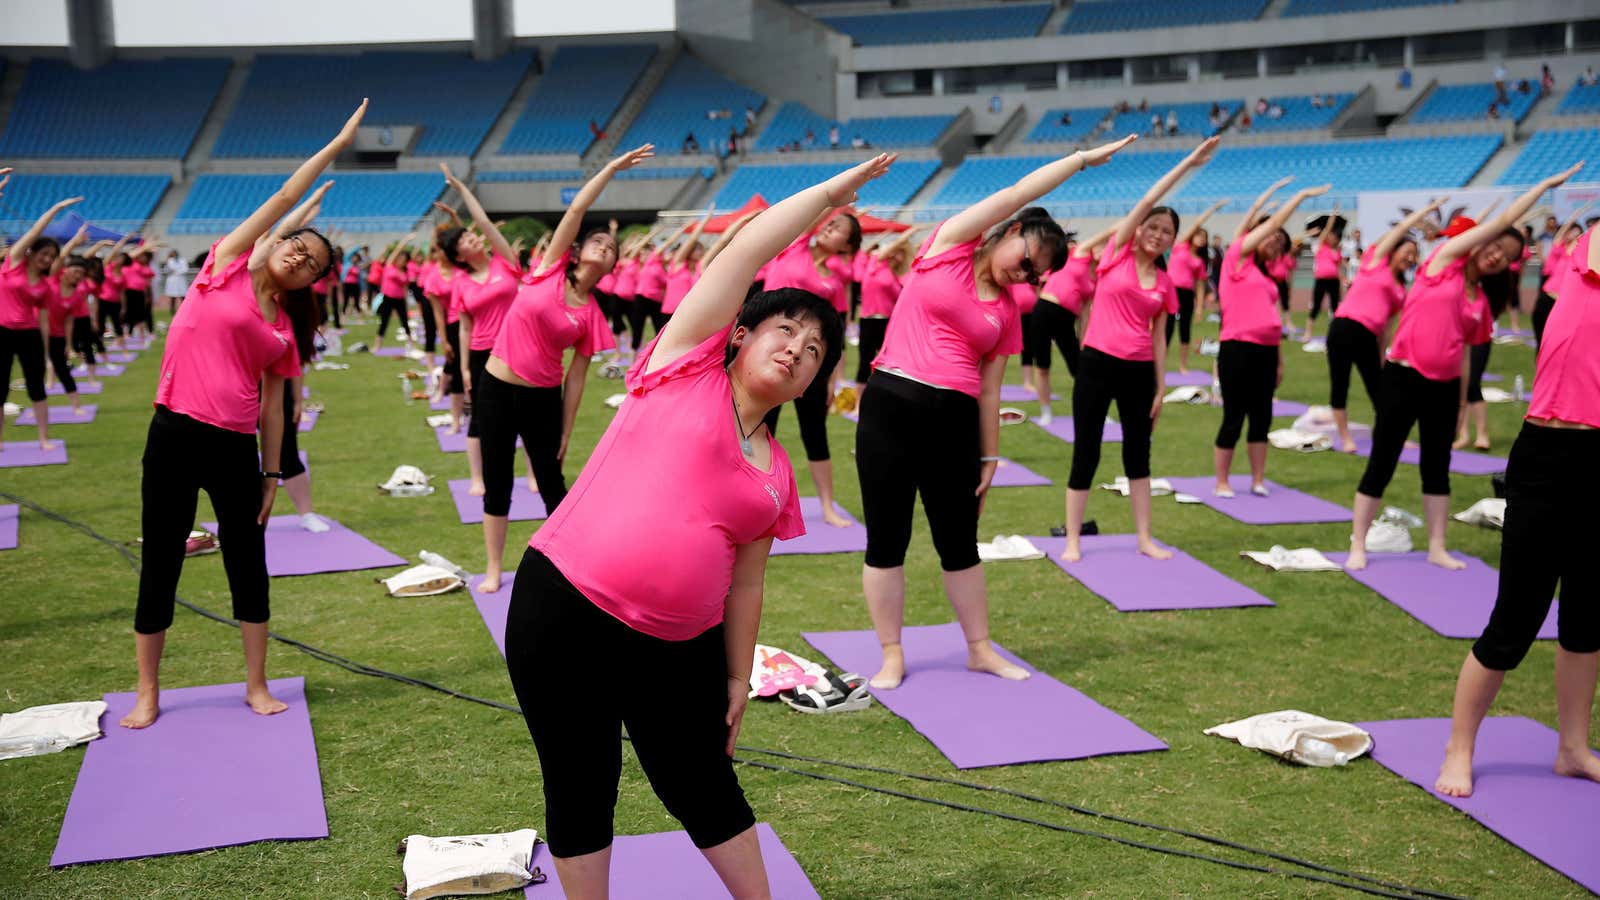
{"points": [[1317, 752], [1517, 389], [434, 559]]}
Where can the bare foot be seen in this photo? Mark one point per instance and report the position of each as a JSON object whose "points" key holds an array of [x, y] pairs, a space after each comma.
{"points": [[477, 489], [1481, 444], [533, 484], [1358, 558], [79, 411], [1072, 552], [832, 517], [1154, 550], [263, 703], [981, 657], [455, 428], [47, 446], [1459, 443], [1444, 560], [893, 670], [489, 584], [1455, 774], [145, 710], [1348, 446], [1578, 763]]}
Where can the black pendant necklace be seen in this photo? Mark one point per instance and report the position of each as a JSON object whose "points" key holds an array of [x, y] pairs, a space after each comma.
{"points": [[744, 439]]}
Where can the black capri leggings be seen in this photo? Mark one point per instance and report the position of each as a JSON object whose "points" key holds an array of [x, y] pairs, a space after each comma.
{"points": [[430, 328], [504, 412], [1183, 322], [58, 361], [913, 439], [1351, 344], [1478, 363], [1283, 294], [397, 307], [1055, 324], [183, 456], [108, 310], [1325, 287], [872, 331], [553, 631], [85, 339], [1541, 314], [477, 361], [644, 307], [1027, 339], [289, 457], [811, 408], [1101, 379], [136, 305], [1408, 397], [452, 361], [1546, 542], [1248, 374], [25, 346]]}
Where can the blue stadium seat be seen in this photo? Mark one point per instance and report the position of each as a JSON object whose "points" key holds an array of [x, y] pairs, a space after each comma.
{"points": [[582, 84], [118, 202], [1194, 119], [123, 109], [679, 107], [1105, 190], [359, 202], [1549, 152], [1340, 7], [936, 26], [1299, 114], [1085, 119], [1091, 16], [1580, 101], [644, 173], [292, 105], [1470, 103], [776, 182], [794, 120]]}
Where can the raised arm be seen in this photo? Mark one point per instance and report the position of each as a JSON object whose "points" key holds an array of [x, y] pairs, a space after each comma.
{"points": [[1486, 231], [567, 229], [455, 218], [302, 215], [682, 254], [243, 238], [74, 243], [883, 251], [1255, 208], [20, 248], [1197, 157], [715, 299], [726, 237], [1276, 220], [1189, 233], [93, 250], [973, 221], [1393, 236], [1576, 217], [1325, 236], [399, 245], [1086, 248], [491, 233]]}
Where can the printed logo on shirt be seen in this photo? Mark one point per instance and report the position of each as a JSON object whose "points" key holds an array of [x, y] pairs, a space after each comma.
{"points": [[992, 319], [571, 319], [772, 492]]}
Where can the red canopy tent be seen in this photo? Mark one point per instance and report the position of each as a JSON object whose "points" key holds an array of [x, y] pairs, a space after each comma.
{"points": [[719, 224], [871, 224]]}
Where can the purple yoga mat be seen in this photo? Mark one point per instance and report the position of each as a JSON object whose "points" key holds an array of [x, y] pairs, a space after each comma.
{"points": [[1454, 604], [308, 419], [1113, 568], [84, 387], [115, 357], [208, 773], [1016, 393], [451, 443], [291, 550], [1195, 378], [525, 505], [1288, 409], [1285, 505], [391, 352], [440, 405], [1492, 378], [9, 516], [60, 415], [1462, 462], [27, 453], [104, 370], [981, 720], [820, 537], [666, 866], [492, 607], [1514, 793], [1010, 473], [1060, 427]]}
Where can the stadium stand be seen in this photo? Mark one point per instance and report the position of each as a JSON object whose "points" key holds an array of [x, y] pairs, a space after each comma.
{"points": [[647, 173], [1340, 7], [124, 109], [937, 26], [1299, 113], [1549, 152], [794, 120], [1104, 190], [582, 84], [1085, 119], [1470, 103], [455, 99], [112, 201], [778, 181], [1581, 100], [360, 202], [680, 105], [1092, 16], [1193, 118]]}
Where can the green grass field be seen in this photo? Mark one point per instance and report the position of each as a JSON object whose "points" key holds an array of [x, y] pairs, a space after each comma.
{"points": [[397, 760]]}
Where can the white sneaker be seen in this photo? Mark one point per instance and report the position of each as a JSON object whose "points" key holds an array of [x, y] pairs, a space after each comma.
{"points": [[1223, 492], [311, 523], [1260, 490], [1045, 418]]}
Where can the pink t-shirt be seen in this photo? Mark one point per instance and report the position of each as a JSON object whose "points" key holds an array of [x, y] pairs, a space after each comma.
{"points": [[1120, 320], [941, 333], [487, 301], [1249, 299], [218, 347], [137, 275], [541, 325], [413, 271], [1184, 268], [1284, 266], [1375, 295], [352, 274], [880, 287], [1552, 267], [375, 271], [1326, 264], [1567, 384], [651, 282], [394, 281], [627, 285], [671, 457], [1025, 295], [793, 268], [64, 308], [110, 290], [1072, 284], [438, 284], [20, 301], [1438, 320], [680, 279], [608, 283]]}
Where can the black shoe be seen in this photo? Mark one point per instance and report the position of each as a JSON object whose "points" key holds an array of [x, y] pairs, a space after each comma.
{"points": [[1089, 527]]}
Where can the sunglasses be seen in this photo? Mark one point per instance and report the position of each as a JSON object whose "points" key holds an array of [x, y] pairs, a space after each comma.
{"points": [[1029, 274]]}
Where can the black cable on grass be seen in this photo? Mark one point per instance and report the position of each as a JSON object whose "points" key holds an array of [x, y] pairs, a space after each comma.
{"points": [[1362, 883]]}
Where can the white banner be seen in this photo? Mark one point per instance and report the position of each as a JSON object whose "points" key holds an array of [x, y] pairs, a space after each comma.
{"points": [[1379, 211], [1569, 198]]}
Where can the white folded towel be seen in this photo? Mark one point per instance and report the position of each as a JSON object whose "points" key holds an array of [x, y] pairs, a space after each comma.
{"points": [[1489, 512], [1013, 546], [1191, 394], [1497, 395], [49, 729], [1301, 559], [1295, 439]]}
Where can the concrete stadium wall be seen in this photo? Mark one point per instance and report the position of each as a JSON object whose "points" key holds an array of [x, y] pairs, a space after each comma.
{"points": [[768, 46]]}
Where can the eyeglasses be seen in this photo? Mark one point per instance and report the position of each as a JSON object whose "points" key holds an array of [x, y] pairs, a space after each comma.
{"points": [[1028, 273], [306, 259]]}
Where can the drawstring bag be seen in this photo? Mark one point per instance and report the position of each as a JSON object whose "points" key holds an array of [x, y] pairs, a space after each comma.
{"points": [[422, 581], [1194, 395], [1298, 737], [468, 864], [1295, 439], [407, 481], [1489, 512]]}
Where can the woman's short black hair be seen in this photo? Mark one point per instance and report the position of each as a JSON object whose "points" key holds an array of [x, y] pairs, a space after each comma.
{"points": [[1165, 211], [577, 250], [327, 245], [450, 242], [799, 305]]}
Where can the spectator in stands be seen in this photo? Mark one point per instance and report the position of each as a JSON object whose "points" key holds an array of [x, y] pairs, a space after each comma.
{"points": [[749, 117], [1216, 118], [1172, 122], [1122, 107], [857, 142], [691, 144], [833, 136], [1144, 105], [1066, 117], [810, 139], [595, 131], [1494, 111], [1316, 101], [1275, 111], [1403, 80], [1588, 78], [1155, 125], [1547, 80], [1244, 121], [1261, 106], [733, 142], [1523, 87], [1500, 94]]}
